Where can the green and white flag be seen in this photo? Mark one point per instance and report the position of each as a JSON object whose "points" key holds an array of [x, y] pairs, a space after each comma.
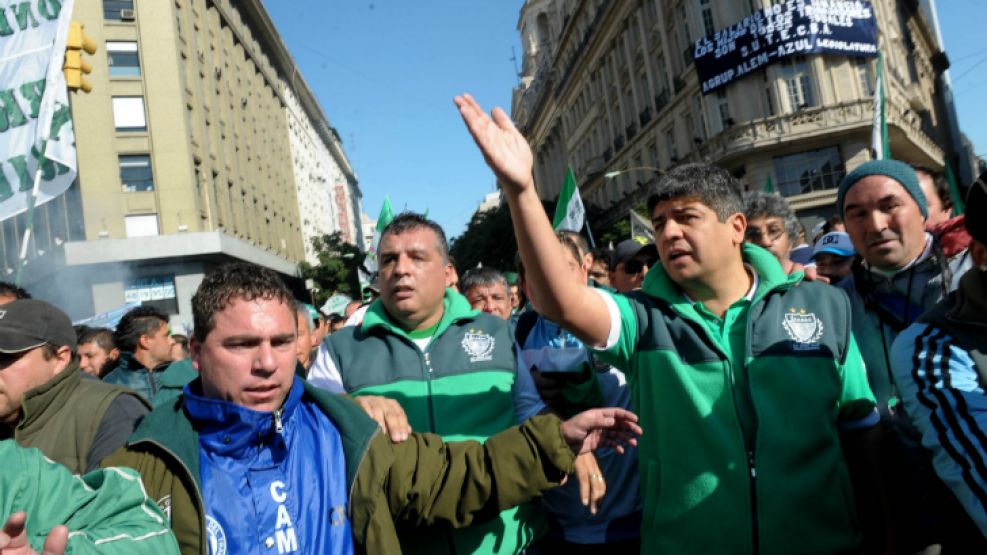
{"points": [[37, 144], [385, 217], [879, 131], [569, 211]]}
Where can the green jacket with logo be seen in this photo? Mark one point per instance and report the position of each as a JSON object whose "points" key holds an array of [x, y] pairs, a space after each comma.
{"points": [[712, 482], [459, 387], [421, 481]]}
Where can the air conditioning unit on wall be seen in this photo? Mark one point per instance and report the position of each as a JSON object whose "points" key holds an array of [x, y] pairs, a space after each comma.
{"points": [[126, 15]]}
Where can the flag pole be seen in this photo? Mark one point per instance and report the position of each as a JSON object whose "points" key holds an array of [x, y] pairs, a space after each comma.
{"points": [[31, 203]]}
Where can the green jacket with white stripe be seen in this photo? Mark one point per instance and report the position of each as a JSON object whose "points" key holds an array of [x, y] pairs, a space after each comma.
{"points": [[711, 486], [106, 511], [459, 387]]}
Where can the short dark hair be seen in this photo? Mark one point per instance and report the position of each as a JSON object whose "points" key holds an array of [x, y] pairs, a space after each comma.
{"points": [[7, 288], [939, 183], [227, 283], [410, 221], [576, 239], [761, 204], [140, 321], [569, 241], [831, 222], [482, 277], [102, 337], [709, 184]]}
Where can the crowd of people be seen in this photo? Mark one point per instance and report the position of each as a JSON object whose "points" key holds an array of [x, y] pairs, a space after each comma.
{"points": [[738, 384]]}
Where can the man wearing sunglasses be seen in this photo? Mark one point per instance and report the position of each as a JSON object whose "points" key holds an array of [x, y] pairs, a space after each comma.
{"points": [[631, 261]]}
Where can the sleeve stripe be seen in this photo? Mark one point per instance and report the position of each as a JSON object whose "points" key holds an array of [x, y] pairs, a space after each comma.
{"points": [[970, 458]]}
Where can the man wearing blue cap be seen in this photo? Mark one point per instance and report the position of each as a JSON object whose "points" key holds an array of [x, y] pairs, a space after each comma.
{"points": [[833, 256], [902, 272]]}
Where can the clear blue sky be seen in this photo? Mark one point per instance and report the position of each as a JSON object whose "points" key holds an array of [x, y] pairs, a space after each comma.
{"points": [[385, 72], [962, 25]]}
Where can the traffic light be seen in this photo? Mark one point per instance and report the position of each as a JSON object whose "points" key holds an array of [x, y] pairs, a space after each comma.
{"points": [[75, 67]]}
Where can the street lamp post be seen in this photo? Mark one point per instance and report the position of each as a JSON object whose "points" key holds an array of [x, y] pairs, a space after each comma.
{"points": [[615, 173]]}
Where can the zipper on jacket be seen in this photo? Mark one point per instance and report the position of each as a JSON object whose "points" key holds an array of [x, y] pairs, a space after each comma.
{"points": [[428, 384], [278, 425], [755, 538]]}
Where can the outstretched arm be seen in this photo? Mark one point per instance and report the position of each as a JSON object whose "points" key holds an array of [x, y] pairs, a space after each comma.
{"points": [[459, 483], [573, 305]]}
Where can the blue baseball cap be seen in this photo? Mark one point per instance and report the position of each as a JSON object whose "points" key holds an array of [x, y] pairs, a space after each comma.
{"points": [[834, 242]]}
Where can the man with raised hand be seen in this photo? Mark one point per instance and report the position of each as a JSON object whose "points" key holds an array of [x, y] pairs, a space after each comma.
{"points": [[746, 378]]}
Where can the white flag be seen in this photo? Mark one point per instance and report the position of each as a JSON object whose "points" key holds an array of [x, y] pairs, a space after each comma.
{"points": [[879, 126], [34, 108], [569, 211]]}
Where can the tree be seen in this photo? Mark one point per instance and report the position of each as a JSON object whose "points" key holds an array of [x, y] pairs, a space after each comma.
{"points": [[337, 269], [488, 240]]}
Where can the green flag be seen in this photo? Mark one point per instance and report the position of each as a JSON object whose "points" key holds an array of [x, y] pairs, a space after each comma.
{"points": [[879, 127], [569, 211], [385, 217], [769, 186], [954, 191]]}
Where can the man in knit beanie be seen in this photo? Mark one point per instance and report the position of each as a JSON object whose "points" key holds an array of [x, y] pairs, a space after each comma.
{"points": [[901, 273], [940, 370]]}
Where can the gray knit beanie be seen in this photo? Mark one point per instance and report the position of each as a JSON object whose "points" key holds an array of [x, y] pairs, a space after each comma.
{"points": [[899, 171]]}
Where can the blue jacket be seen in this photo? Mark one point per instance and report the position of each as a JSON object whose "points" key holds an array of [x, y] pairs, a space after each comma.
{"points": [[272, 464]]}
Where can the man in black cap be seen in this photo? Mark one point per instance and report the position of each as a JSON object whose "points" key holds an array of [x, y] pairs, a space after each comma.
{"points": [[44, 400], [631, 261], [940, 370]]}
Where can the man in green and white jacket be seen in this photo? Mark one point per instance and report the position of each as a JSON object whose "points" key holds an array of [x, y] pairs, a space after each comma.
{"points": [[746, 379], [450, 367]]}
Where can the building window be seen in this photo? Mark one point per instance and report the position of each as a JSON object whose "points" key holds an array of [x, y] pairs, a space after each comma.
{"points": [[798, 82], [673, 151], [709, 27], [135, 173], [113, 10], [864, 73], [156, 291], [145, 225], [769, 96], [128, 113], [723, 109], [123, 59], [812, 170]]}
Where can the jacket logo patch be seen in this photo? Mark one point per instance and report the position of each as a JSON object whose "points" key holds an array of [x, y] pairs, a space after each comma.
{"points": [[804, 328], [165, 505], [217, 536], [478, 345]]}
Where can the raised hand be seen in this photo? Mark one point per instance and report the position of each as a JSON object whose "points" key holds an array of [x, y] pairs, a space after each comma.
{"points": [[13, 538], [595, 428], [504, 147]]}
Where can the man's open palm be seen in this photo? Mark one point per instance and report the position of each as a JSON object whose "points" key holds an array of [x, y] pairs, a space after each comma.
{"points": [[504, 147]]}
